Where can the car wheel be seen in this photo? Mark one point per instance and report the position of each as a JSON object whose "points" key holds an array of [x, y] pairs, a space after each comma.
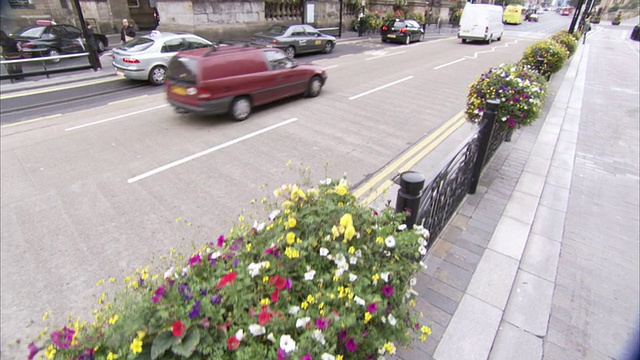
{"points": [[291, 52], [464, 41], [490, 39], [53, 52], [315, 87], [240, 108], [157, 75], [384, 40], [328, 47], [421, 37], [407, 40], [500, 38]]}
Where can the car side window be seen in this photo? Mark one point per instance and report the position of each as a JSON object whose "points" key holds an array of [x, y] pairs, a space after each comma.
{"points": [[277, 60], [297, 31], [73, 32], [172, 45], [195, 43], [58, 32]]}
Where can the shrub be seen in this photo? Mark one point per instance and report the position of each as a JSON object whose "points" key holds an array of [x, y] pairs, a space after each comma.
{"points": [[417, 16], [520, 89], [567, 40], [546, 56], [322, 277]]}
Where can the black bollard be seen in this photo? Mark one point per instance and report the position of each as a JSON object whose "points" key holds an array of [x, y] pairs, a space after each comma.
{"points": [[485, 133], [410, 195]]}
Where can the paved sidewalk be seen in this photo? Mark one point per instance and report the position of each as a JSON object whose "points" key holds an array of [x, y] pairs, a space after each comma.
{"points": [[543, 261]]}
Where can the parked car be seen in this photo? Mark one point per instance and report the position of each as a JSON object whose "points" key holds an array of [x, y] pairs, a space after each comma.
{"points": [[296, 39], [404, 31], [54, 39], [533, 17], [146, 57], [482, 22], [234, 79]]}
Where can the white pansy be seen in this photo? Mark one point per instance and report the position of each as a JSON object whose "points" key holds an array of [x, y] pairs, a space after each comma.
{"points": [[422, 250], [339, 272], [302, 322], [257, 330], [422, 242], [326, 181], [169, 273], [413, 281], [326, 356], [385, 276], [390, 241], [216, 254], [384, 319], [353, 260], [340, 260], [254, 269], [259, 227], [381, 351], [318, 336], [309, 275], [392, 320], [387, 253], [358, 253], [287, 343], [274, 214], [344, 182], [240, 335], [359, 300], [271, 338], [294, 310], [353, 277], [324, 251], [424, 266], [402, 227], [185, 270]]}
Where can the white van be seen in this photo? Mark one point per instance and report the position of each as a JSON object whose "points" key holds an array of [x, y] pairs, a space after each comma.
{"points": [[481, 22]]}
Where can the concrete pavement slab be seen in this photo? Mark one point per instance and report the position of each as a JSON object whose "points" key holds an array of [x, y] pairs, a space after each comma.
{"points": [[522, 206], [555, 197], [510, 237], [541, 257], [530, 303], [530, 183], [549, 223], [493, 279], [513, 343]]}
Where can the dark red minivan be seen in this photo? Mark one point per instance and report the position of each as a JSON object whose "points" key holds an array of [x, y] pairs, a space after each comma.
{"points": [[233, 79]]}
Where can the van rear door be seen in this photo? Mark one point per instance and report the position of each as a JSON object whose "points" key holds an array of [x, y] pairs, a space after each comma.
{"points": [[182, 79]]}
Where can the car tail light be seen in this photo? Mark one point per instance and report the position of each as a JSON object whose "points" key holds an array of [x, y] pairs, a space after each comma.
{"points": [[27, 45], [204, 94], [131, 61], [403, 30], [385, 28], [275, 42]]}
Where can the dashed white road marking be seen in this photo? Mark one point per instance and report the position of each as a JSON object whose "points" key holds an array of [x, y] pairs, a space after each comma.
{"points": [[380, 88]]}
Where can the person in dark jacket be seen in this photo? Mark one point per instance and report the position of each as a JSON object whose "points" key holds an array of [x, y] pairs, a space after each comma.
{"points": [[127, 32], [93, 46], [156, 18], [11, 51]]}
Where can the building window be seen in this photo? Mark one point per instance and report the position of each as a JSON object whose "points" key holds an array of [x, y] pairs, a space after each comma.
{"points": [[133, 3], [21, 4], [64, 4]]}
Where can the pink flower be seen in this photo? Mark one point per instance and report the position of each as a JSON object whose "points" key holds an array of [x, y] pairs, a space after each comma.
{"points": [[281, 354], [322, 323], [33, 350], [159, 293], [351, 345], [342, 335], [221, 241], [62, 339], [195, 259], [373, 307], [387, 290], [306, 357]]}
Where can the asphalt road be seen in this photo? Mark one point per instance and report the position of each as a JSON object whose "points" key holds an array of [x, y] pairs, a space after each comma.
{"points": [[96, 190]]}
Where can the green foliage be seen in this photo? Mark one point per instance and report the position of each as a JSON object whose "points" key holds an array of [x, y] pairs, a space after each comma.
{"points": [[568, 41], [520, 89], [320, 276], [547, 56]]}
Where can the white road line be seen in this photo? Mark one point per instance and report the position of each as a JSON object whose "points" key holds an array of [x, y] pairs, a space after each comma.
{"points": [[209, 151], [383, 56], [116, 117], [331, 67], [129, 99], [380, 88], [447, 64]]}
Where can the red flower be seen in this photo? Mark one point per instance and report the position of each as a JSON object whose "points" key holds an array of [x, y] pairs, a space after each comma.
{"points": [[278, 281], [274, 296], [233, 343], [224, 326], [178, 328], [264, 317], [226, 279]]}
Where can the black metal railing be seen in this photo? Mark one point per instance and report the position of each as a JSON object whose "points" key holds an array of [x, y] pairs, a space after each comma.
{"points": [[434, 204]]}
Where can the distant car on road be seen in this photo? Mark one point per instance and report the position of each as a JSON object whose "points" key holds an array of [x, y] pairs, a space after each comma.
{"points": [[234, 79], [146, 57], [404, 31], [296, 39], [49, 39], [533, 17]]}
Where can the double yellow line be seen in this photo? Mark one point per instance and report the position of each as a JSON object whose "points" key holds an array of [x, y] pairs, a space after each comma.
{"points": [[406, 161]]}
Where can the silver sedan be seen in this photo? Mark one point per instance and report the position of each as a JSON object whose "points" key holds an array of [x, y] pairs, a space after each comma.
{"points": [[146, 57]]}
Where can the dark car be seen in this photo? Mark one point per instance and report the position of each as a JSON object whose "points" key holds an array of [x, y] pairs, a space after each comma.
{"points": [[403, 31], [296, 39], [54, 40], [233, 79]]}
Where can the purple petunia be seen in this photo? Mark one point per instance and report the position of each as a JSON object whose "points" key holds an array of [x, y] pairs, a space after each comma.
{"points": [[33, 350], [373, 307], [289, 283], [215, 299], [221, 241], [387, 290], [342, 335], [159, 293], [306, 357], [62, 339], [195, 259], [234, 263], [195, 310], [351, 345], [203, 292], [322, 323], [281, 354]]}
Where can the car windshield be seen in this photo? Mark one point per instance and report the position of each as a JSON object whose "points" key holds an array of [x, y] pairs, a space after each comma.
{"points": [[277, 29], [138, 44], [398, 24], [30, 32], [182, 69]]}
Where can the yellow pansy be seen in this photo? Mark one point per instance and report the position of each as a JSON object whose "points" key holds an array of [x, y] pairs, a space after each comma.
{"points": [[380, 240], [311, 299], [375, 277], [335, 232], [45, 316], [346, 220], [367, 317], [265, 301], [265, 279], [291, 223], [350, 232], [390, 348], [267, 264], [113, 319], [50, 352], [136, 346], [341, 190], [338, 357], [304, 305], [112, 280], [100, 282], [425, 330], [112, 356], [352, 250], [291, 238], [248, 246]]}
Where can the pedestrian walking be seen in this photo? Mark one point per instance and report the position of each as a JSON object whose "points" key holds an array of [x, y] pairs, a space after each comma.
{"points": [[93, 46], [11, 50], [156, 18], [128, 32]]}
